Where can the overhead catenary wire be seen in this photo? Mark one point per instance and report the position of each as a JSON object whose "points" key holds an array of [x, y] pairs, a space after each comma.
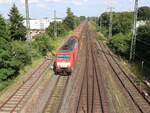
{"points": [[144, 42], [143, 59]]}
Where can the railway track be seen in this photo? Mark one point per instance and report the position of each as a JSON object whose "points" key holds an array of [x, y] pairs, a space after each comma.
{"points": [[55, 99], [140, 102], [18, 99], [100, 81], [92, 96]]}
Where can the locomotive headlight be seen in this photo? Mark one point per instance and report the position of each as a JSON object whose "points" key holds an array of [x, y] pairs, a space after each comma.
{"points": [[64, 64], [68, 64]]}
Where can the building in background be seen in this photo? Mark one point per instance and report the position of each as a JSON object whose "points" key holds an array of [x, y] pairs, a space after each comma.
{"points": [[140, 23], [40, 24]]}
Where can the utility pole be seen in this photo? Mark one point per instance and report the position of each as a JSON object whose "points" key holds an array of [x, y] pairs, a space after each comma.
{"points": [[110, 23], [28, 27], [55, 25], [133, 41], [100, 23]]}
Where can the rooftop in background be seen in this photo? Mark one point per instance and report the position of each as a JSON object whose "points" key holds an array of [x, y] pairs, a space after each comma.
{"points": [[41, 24]]}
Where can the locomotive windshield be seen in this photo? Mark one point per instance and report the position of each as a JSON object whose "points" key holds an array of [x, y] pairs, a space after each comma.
{"points": [[69, 45], [63, 57]]}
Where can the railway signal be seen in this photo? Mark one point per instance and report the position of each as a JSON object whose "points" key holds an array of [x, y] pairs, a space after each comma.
{"points": [[133, 41]]}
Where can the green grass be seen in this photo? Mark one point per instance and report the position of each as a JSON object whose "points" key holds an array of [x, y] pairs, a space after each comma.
{"points": [[142, 74]]}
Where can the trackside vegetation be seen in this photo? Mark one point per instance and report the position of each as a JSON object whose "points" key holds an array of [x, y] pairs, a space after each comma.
{"points": [[15, 50], [122, 33]]}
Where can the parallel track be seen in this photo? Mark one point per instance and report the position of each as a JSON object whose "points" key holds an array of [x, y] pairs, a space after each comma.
{"points": [[17, 100], [133, 92], [55, 100], [93, 97]]}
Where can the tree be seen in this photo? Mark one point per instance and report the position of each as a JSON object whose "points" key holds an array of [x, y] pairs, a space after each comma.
{"points": [[60, 29], [143, 42], [3, 28], [69, 21], [122, 22], [8, 66], [120, 44], [17, 29], [144, 13], [43, 45], [20, 51], [105, 19], [82, 18]]}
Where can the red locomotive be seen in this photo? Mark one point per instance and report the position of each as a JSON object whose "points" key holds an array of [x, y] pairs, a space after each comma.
{"points": [[66, 56]]}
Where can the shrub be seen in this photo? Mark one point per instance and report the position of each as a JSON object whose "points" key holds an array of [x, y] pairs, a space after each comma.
{"points": [[120, 44], [43, 45]]}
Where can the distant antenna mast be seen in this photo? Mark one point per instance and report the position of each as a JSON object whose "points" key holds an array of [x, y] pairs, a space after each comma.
{"points": [[133, 41]]}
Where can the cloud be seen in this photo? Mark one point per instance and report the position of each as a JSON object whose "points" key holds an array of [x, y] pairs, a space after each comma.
{"points": [[43, 6], [79, 2], [31, 1], [111, 2], [56, 1], [4, 1]]}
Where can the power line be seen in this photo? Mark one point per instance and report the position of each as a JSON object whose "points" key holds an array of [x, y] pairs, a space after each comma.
{"points": [[144, 42], [142, 59]]}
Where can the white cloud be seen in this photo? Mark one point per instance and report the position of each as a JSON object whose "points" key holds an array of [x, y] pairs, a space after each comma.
{"points": [[43, 6], [78, 2], [58, 1], [111, 2], [4, 1], [31, 1]]}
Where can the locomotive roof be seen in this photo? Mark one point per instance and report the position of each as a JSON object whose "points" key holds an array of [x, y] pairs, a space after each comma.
{"points": [[68, 46]]}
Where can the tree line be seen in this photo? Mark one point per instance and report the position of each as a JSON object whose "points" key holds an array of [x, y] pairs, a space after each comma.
{"points": [[122, 33], [69, 23]]}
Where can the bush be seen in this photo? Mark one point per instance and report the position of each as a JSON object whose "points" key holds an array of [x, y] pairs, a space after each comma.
{"points": [[120, 44], [143, 42], [61, 30], [8, 64], [42, 44], [20, 51]]}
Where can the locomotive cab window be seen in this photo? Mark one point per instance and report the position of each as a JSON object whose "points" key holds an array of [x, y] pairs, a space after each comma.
{"points": [[64, 57]]}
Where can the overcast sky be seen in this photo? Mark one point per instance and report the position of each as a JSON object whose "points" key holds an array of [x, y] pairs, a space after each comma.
{"points": [[45, 8]]}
